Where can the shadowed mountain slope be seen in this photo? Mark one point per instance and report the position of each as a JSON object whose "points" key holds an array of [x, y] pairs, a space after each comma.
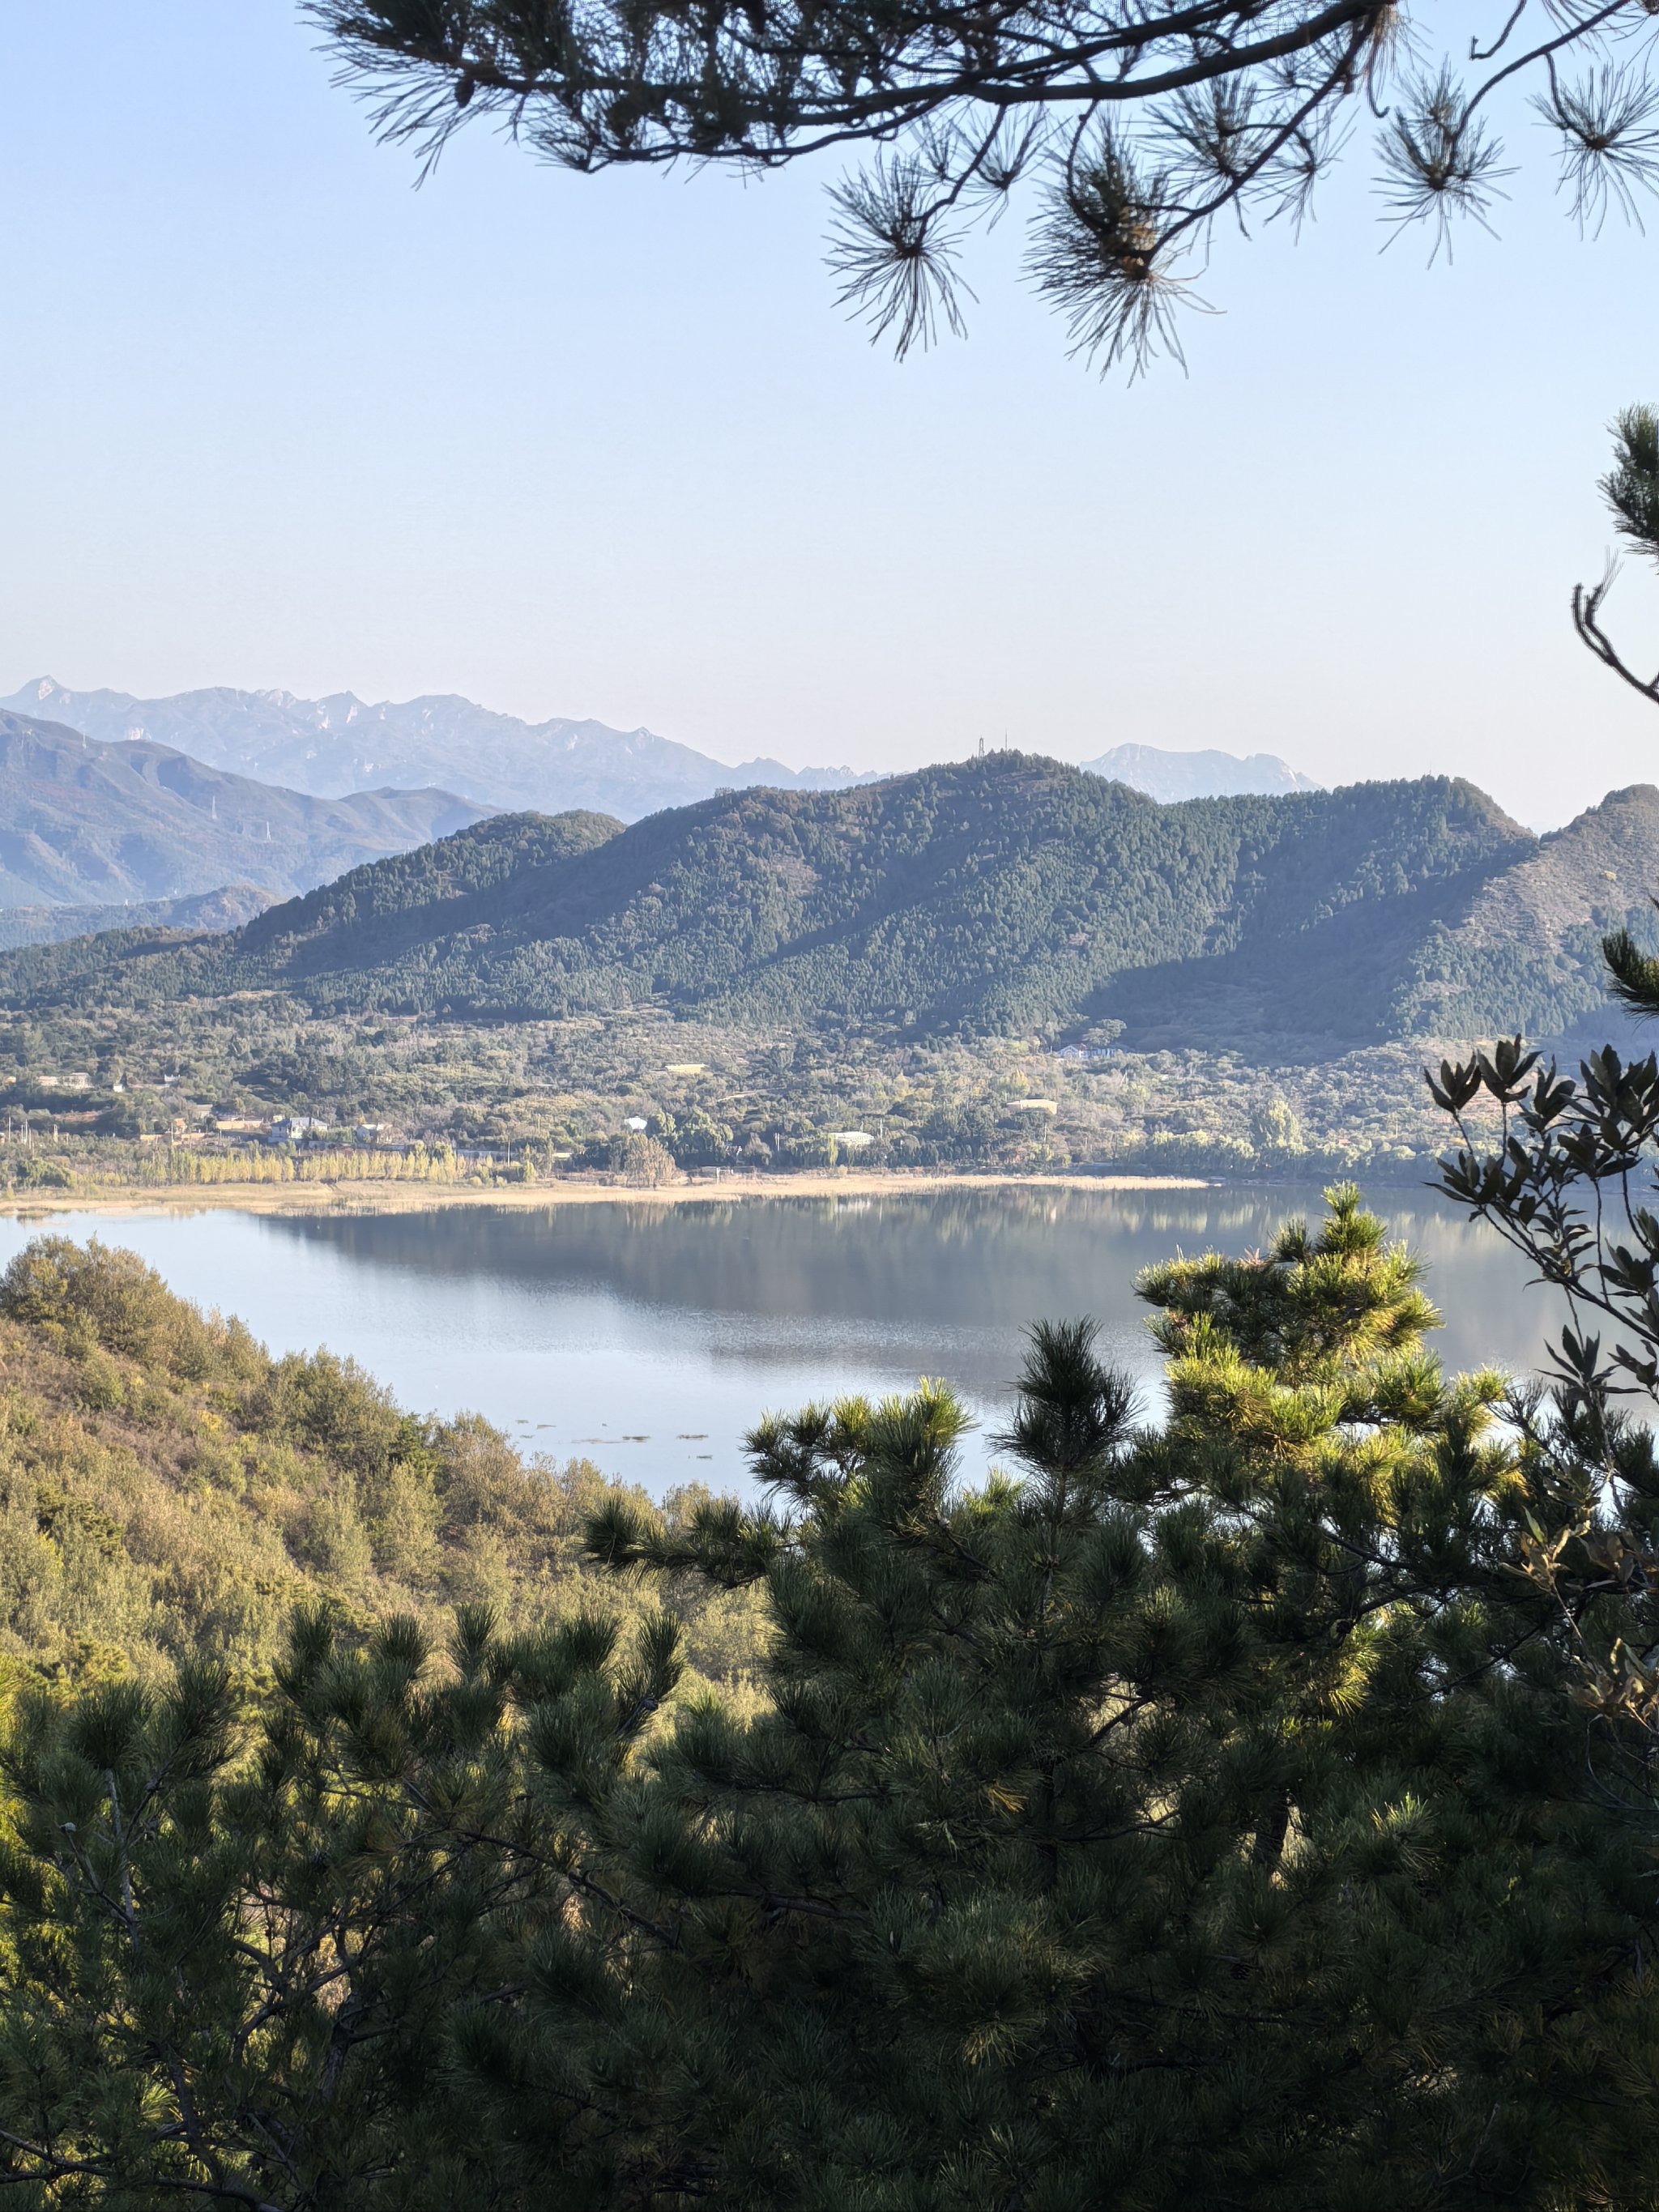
{"points": [[84, 823], [1536, 931], [1475, 953], [1007, 894]]}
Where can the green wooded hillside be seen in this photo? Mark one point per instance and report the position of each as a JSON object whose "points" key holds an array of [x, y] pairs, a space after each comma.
{"points": [[1009, 895]]}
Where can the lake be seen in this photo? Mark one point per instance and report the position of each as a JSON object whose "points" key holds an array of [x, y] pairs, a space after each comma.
{"points": [[648, 1338]]}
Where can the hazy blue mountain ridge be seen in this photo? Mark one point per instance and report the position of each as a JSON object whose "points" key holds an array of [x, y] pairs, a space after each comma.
{"points": [[338, 745], [87, 824], [209, 911], [1172, 776]]}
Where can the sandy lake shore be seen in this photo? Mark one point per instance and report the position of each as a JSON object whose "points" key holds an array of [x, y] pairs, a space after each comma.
{"points": [[376, 1197]]}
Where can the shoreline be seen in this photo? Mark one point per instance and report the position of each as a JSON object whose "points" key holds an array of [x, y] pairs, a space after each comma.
{"points": [[372, 1196]]}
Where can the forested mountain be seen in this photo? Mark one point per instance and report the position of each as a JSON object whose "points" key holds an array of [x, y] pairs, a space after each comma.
{"points": [[87, 824], [1008, 895], [1481, 952], [1533, 934], [1167, 776], [331, 746]]}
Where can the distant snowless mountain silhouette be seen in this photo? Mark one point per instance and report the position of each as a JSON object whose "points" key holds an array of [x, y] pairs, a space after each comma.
{"points": [[330, 747], [1170, 775], [86, 825]]}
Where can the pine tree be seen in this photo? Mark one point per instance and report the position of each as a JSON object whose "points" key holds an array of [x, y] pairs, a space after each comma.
{"points": [[1194, 1820], [1196, 1814], [1133, 129], [1563, 1169], [1631, 489], [234, 1966]]}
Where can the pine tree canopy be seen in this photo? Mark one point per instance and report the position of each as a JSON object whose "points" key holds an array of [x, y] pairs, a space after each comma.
{"points": [[1196, 1814], [1631, 489], [1135, 127], [1563, 1169]]}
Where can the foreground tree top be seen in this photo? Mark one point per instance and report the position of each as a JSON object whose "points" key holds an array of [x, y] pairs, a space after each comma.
{"points": [[1136, 124]]}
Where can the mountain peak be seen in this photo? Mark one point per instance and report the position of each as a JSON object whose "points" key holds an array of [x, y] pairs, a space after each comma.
{"points": [[335, 745], [1169, 776], [97, 822], [1008, 895]]}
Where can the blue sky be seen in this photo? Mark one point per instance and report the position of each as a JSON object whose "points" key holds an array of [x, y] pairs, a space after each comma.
{"points": [[606, 447]]}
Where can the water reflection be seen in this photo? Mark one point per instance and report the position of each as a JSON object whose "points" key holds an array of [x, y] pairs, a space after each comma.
{"points": [[650, 1337]]}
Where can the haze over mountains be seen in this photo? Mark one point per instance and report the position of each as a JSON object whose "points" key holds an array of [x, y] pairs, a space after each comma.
{"points": [[1169, 776], [330, 747], [202, 910], [87, 824], [339, 744], [1010, 895]]}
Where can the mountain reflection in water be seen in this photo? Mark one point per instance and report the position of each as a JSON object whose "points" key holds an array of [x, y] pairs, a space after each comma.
{"points": [[649, 1337]]}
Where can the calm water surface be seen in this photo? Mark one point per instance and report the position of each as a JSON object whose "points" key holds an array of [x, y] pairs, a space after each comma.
{"points": [[649, 1338]]}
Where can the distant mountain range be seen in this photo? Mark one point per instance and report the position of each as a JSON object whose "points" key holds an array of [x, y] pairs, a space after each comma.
{"points": [[1007, 894], [87, 824], [1169, 776], [204, 911], [336, 746], [332, 746]]}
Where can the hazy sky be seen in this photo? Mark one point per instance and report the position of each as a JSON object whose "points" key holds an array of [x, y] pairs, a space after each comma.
{"points": [[605, 447]]}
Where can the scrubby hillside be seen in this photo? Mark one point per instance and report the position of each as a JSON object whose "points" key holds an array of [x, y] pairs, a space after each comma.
{"points": [[167, 1487]]}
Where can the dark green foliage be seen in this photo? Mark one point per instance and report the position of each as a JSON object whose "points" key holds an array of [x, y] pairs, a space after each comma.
{"points": [[1195, 1817], [236, 1972], [1633, 972], [1130, 133], [1631, 487], [1564, 1171], [1006, 896]]}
